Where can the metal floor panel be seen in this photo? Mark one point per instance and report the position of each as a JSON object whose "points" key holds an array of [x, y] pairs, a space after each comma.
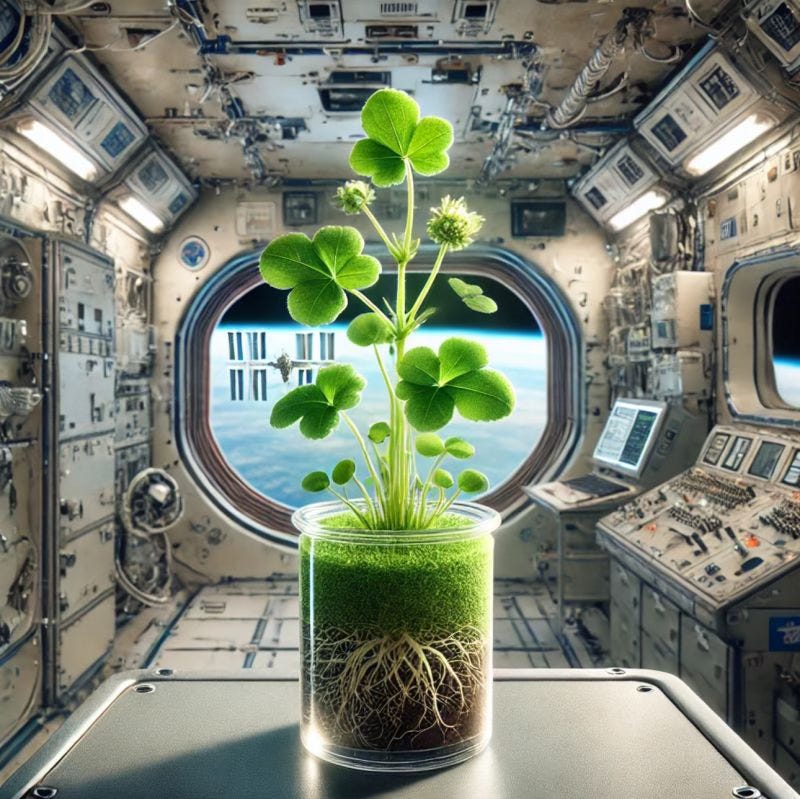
{"points": [[252, 624]]}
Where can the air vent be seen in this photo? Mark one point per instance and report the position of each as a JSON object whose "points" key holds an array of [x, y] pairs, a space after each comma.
{"points": [[398, 9], [350, 77], [392, 32]]}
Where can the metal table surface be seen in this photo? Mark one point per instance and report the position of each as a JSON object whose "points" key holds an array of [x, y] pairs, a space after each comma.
{"points": [[558, 734]]}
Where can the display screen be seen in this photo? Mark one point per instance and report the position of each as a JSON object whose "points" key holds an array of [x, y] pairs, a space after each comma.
{"points": [[715, 448], [741, 444], [792, 476], [71, 95], [595, 198], [719, 87], [766, 460], [153, 176], [668, 132], [631, 172], [117, 139], [538, 217], [782, 27], [178, 203], [628, 434]]}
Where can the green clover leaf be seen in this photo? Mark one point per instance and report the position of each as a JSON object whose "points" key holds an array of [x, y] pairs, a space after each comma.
{"points": [[318, 271], [317, 406], [368, 329], [472, 296], [433, 386], [397, 135]]}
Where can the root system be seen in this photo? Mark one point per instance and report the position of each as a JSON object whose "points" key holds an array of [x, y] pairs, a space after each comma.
{"points": [[396, 691]]}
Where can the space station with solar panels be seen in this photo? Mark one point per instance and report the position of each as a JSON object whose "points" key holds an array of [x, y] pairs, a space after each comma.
{"points": [[632, 175]]}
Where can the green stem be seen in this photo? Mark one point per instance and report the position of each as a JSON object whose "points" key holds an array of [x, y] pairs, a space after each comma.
{"points": [[410, 208], [359, 438], [352, 507], [412, 314], [378, 228], [371, 305], [423, 507]]}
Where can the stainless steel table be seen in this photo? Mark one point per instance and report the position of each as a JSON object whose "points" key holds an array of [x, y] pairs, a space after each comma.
{"points": [[558, 734]]}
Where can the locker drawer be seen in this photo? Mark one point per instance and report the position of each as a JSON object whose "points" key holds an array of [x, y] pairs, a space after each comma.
{"points": [[660, 617], [625, 638], [625, 587], [656, 655]]}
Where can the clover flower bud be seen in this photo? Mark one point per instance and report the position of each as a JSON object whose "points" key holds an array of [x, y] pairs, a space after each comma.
{"points": [[452, 224], [354, 196]]}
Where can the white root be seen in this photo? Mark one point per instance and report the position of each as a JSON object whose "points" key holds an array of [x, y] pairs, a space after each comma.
{"points": [[397, 691]]}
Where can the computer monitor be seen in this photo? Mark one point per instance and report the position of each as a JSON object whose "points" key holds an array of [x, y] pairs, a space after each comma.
{"points": [[629, 435]]}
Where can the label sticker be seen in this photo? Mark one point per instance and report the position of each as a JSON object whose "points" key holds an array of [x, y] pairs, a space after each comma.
{"points": [[784, 634]]}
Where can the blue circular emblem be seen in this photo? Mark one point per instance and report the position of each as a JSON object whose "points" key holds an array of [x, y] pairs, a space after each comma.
{"points": [[194, 253]]}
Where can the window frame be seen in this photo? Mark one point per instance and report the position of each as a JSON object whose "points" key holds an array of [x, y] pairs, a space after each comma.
{"points": [[747, 306], [566, 396]]}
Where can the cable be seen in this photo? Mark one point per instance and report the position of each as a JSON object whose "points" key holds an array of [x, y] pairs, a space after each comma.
{"points": [[65, 9], [97, 48], [40, 31]]}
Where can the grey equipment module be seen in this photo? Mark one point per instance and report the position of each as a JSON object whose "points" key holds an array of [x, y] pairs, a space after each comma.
{"points": [[642, 443], [705, 583], [635, 734]]}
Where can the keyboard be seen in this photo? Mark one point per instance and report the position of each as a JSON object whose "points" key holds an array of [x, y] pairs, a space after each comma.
{"points": [[595, 485]]}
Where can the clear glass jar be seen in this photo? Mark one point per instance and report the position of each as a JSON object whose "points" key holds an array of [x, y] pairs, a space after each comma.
{"points": [[396, 640]]}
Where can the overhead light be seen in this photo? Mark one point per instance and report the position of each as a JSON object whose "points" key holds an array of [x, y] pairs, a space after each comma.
{"points": [[739, 136], [59, 148], [141, 213], [649, 201]]}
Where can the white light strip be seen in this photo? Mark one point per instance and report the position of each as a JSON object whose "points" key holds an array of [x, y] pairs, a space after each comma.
{"points": [[59, 148], [649, 201], [747, 131], [141, 213]]}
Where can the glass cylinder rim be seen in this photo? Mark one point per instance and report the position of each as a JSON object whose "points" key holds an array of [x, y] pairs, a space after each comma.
{"points": [[308, 521]]}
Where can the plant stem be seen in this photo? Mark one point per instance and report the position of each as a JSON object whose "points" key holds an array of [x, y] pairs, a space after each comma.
{"points": [[420, 516], [359, 438], [371, 305], [378, 228], [428, 283], [364, 520]]}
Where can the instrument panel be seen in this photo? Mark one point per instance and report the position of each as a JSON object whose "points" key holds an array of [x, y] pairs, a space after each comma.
{"points": [[724, 527]]}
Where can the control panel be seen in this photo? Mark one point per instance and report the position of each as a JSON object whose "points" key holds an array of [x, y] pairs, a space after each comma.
{"points": [[724, 527]]}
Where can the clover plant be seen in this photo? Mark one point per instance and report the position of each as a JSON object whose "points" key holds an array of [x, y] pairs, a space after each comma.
{"points": [[424, 387]]}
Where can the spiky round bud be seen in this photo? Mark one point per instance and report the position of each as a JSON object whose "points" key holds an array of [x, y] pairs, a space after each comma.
{"points": [[452, 224], [354, 196]]}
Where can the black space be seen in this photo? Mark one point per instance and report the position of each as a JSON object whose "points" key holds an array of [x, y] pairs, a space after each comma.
{"points": [[265, 305], [785, 322]]}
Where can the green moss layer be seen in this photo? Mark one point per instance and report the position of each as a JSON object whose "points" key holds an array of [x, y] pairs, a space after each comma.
{"points": [[392, 587]]}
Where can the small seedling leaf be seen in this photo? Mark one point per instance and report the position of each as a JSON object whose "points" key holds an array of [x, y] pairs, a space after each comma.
{"points": [[343, 472], [316, 481], [459, 448], [442, 479], [481, 304], [429, 445], [464, 289], [472, 482], [379, 432]]}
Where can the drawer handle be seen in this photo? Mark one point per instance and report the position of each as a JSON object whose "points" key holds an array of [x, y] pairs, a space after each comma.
{"points": [[702, 639], [658, 606]]}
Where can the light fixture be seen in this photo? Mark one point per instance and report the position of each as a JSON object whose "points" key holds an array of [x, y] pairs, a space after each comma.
{"points": [[141, 213], [649, 201], [739, 136], [60, 149]]}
